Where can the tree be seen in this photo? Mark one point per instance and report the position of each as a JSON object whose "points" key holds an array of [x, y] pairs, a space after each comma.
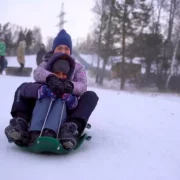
{"points": [[22, 36], [148, 46], [10, 34], [37, 39], [105, 37], [172, 7], [99, 10], [29, 41], [49, 43], [86, 46], [131, 18], [175, 15]]}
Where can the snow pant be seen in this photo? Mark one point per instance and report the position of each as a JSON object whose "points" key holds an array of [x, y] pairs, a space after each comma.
{"points": [[3, 63], [86, 105], [56, 115], [23, 107]]}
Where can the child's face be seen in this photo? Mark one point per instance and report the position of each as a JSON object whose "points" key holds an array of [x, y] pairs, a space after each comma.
{"points": [[62, 49], [61, 75]]}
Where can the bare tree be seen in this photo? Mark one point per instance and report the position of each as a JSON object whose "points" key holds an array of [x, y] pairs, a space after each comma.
{"points": [[176, 29], [99, 10], [49, 43], [172, 12], [133, 17]]}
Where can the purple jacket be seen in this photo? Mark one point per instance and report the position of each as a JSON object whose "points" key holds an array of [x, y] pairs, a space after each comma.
{"points": [[78, 76]]}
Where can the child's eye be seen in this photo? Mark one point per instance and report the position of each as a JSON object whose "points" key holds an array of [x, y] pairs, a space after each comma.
{"points": [[66, 48]]}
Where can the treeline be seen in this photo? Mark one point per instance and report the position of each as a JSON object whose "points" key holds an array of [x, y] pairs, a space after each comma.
{"points": [[129, 29], [13, 34]]}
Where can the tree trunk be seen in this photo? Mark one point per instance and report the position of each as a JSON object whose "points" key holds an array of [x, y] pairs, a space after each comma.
{"points": [[148, 69], [102, 73], [97, 80], [171, 18], [173, 62], [97, 71], [123, 47], [160, 5]]}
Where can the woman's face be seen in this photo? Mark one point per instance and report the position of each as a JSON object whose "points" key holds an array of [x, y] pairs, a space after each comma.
{"points": [[62, 49]]}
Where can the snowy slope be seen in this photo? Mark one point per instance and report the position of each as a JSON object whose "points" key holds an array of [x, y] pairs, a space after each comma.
{"points": [[135, 137]]}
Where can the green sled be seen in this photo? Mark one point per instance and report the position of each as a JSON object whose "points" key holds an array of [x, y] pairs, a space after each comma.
{"points": [[46, 144]]}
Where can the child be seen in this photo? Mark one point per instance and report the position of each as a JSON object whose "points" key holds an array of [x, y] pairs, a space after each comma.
{"points": [[57, 115]]}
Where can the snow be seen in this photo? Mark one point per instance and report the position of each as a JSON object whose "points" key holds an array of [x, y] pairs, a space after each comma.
{"points": [[30, 61], [134, 137]]}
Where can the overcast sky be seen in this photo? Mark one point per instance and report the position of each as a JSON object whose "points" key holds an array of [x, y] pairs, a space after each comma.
{"points": [[43, 13]]}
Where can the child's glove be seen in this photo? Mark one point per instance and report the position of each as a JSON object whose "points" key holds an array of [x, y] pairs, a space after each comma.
{"points": [[44, 92], [70, 100]]}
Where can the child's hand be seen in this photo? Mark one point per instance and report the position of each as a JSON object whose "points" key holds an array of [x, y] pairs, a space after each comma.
{"points": [[67, 97], [71, 101], [44, 92]]}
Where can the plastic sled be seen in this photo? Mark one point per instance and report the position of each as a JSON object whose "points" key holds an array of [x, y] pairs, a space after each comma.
{"points": [[46, 144], [15, 71]]}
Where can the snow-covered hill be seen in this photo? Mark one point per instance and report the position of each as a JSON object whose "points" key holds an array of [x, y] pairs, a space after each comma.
{"points": [[134, 137]]}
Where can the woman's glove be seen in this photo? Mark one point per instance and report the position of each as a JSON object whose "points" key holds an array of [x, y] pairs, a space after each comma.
{"points": [[68, 86], [59, 86], [55, 84]]}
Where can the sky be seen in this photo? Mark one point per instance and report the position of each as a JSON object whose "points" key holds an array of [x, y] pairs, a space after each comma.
{"points": [[43, 14]]}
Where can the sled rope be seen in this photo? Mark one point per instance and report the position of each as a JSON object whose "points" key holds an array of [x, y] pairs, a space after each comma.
{"points": [[60, 119], [49, 108]]}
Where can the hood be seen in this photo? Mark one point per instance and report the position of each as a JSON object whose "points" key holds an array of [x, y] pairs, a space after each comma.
{"points": [[47, 56], [51, 58]]}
